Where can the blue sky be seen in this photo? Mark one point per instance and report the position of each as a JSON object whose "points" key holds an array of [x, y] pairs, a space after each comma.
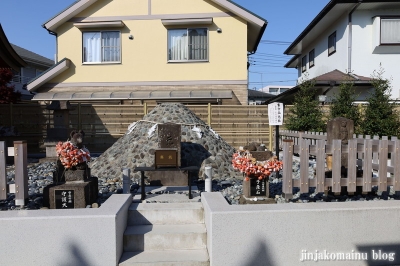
{"points": [[22, 22]]}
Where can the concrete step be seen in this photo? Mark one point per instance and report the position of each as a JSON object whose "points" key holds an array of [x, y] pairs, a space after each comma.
{"points": [[165, 237], [166, 258], [165, 213]]}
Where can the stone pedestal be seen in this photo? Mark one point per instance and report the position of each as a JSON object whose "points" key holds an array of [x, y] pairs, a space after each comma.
{"points": [[255, 188], [84, 193], [71, 189]]}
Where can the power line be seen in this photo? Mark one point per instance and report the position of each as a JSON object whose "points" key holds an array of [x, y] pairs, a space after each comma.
{"points": [[275, 42], [267, 54]]}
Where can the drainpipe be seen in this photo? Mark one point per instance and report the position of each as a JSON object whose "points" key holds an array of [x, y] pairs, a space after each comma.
{"points": [[350, 24], [55, 34]]}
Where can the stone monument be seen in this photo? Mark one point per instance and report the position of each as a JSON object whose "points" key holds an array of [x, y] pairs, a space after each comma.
{"points": [[343, 129], [169, 143], [60, 129]]}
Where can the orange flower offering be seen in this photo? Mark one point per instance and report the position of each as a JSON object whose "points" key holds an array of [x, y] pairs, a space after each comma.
{"points": [[245, 163], [70, 155]]}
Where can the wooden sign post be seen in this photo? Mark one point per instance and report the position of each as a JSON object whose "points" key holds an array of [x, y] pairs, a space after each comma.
{"points": [[21, 172], [3, 173]]}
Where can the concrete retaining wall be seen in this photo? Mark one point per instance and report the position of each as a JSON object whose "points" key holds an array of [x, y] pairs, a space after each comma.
{"points": [[283, 234], [65, 237]]}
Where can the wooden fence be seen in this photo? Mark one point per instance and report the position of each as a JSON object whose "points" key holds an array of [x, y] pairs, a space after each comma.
{"points": [[364, 154], [104, 124]]}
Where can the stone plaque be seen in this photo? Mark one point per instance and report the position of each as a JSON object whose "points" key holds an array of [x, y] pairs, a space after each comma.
{"points": [[343, 129], [166, 158], [64, 199], [258, 187], [169, 137]]}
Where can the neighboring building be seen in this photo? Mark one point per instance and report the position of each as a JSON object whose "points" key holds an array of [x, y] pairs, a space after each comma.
{"points": [[276, 89], [326, 86], [350, 37], [142, 50], [258, 97], [25, 64], [36, 65]]}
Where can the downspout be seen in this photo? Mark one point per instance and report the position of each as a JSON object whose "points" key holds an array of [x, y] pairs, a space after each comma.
{"points": [[350, 47], [54, 34]]}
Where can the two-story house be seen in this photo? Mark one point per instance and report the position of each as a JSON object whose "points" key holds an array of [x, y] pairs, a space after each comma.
{"points": [[348, 40], [151, 50]]}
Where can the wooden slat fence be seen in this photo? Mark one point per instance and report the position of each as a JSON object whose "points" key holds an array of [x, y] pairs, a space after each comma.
{"points": [[105, 124], [360, 157]]}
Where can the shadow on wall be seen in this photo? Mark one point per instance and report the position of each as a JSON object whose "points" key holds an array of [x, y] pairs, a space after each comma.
{"points": [[76, 258], [381, 254], [261, 255]]}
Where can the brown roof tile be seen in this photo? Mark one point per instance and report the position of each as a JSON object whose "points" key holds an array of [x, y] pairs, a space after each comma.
{"points": [[337, 75]]}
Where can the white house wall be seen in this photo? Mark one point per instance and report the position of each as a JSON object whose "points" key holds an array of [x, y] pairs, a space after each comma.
{"points": [[323, 62], [367, 57]]}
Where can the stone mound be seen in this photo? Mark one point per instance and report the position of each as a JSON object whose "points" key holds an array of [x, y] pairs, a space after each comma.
{"points": [[136, 148]]}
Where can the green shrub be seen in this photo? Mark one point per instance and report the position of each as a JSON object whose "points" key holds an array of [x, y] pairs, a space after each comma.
{"points": [[380, 116], [306, 114], [343, 104]]}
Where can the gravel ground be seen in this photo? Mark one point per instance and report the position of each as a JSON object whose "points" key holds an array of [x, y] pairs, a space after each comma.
{"points": [[40, 175]]}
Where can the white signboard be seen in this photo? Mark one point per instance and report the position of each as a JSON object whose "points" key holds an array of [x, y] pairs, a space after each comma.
{"points": [[275, 114]]}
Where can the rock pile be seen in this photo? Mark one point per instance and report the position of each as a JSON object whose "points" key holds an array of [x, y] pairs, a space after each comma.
{"points": [[200, 146]]}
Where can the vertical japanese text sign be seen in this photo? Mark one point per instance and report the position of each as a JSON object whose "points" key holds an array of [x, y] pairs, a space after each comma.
{"points": [[275, 114]]}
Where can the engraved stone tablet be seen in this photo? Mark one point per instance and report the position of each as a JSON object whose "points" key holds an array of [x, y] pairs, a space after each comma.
{"points": [[64, 199], [169, 136]]}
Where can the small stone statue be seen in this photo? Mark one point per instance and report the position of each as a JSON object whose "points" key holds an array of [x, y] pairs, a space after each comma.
{"points": [[76, 138]]}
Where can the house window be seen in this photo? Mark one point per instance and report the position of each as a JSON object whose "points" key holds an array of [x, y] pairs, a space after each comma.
{"points": [[390, 30], [304, 64], [188, 44], [332, 43], [311, 58], [274, 90], [101, 47]]}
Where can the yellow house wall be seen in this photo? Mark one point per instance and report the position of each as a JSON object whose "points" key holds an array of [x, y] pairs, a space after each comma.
{"points": [[116, 8], [183, 7], [145, 57]]}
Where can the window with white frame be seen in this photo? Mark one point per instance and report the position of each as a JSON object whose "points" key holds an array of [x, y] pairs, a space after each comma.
{"points": [[101, 47], [332, 43], [304, 64], [390, 30], [311, 58], [188, 44]]}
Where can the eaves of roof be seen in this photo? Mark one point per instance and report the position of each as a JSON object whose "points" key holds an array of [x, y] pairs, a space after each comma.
{"points": [[56, 69], [31, 57], [318, 83], [8, 54], [292, 61]]}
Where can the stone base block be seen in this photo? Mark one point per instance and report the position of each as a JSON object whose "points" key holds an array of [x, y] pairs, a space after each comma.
{"points": [[167, 178], [85, 193], [61, 174]]}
